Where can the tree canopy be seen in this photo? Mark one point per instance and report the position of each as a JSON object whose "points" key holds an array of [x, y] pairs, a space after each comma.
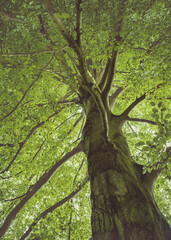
{"points": [[48, 48]]}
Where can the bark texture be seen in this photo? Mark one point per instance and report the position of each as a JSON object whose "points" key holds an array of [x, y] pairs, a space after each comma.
{"points": [[123, 207]]}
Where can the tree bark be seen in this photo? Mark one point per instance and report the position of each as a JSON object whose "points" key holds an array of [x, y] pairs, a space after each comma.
{"points": [[123, 207]]}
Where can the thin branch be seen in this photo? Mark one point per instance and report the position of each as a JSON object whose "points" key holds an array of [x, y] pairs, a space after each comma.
{"points": [[66, 120], [141, 120], [13, 199], [6, 144], [31, 85], [27, 53], [79, 21], [122, 72], [74, 100], [76, 123], [53, 207], [39, 149], [131, 128], [150, 6], [46, 176], [44, 31], [11, 176], [21, 144]]}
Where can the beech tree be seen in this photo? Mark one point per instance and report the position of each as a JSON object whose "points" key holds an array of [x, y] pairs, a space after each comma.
{"points": [[85, 116]]}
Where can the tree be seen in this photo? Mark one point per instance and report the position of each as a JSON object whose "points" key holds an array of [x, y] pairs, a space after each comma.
{"points": [[84, 79]]}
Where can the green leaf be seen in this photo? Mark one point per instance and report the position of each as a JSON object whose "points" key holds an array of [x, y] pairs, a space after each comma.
{"points": [[153, 103], [145, 148], [140, 143], [148, 142], [65, 15], [168, 116], [160, 104], [154, 110]]}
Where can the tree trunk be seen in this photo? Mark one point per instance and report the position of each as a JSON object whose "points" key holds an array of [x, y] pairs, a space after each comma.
{"points": [[123, 207]]}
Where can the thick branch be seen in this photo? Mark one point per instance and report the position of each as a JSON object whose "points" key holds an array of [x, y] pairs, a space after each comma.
{"points": [[113, 97], [111, 72], [134, 104], [31, 85], [46, 176], [141, 120], [138, 100], [149, 178], [103, 80], [96, 94], [53, 207]]}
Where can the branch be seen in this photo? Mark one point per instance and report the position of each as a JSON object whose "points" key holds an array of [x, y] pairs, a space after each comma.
{"points": [[87, 83], [112, 98], [138, 100], [111, 72], [46, 176], [150, 6], [134, 104], [13, 199], [74, 100], [6, 144], [148, 179], [21, 144], [27, 53], [76, 123], [141, 120], [69, 38], [103, 80], [39, 149], [8, 16], [31, 85], [52, 208], [79, 21]]}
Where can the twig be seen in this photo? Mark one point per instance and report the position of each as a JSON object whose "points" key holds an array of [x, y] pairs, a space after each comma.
{"points": [[141, 120]]}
